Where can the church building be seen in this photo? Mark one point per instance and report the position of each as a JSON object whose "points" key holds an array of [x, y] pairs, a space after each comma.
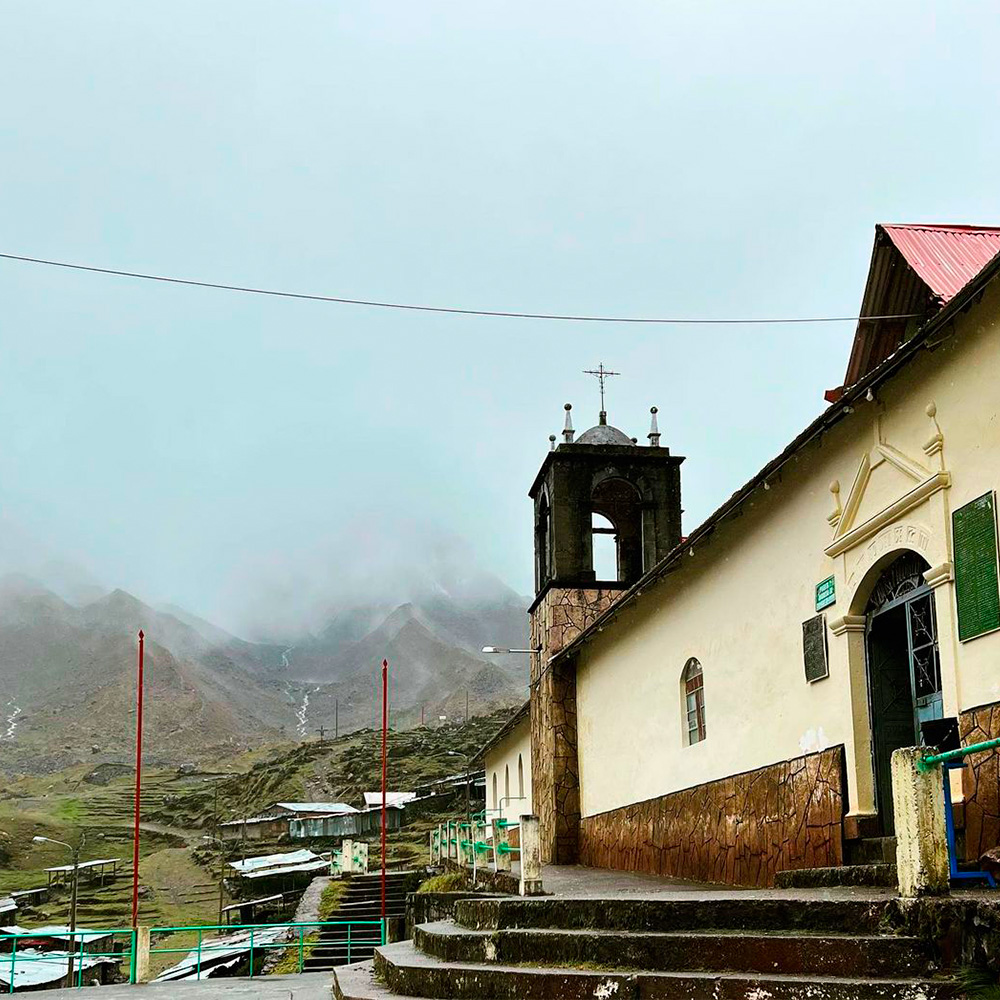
{"points": [[723, 706]]}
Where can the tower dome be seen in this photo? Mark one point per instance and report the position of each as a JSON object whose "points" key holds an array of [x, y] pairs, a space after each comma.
{"points": [[604, 433]]}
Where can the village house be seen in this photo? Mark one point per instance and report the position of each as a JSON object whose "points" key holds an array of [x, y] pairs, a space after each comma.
{"points": [[725, 706]]}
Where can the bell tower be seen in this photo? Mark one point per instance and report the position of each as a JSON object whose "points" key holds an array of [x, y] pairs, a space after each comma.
{"points": [[600, 488]]}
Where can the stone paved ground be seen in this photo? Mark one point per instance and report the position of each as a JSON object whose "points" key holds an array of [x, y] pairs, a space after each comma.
{"points": [[308, 986], [577, 882]]}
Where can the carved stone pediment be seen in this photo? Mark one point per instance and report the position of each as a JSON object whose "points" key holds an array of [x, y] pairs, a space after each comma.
{"points": [[887, 485]]}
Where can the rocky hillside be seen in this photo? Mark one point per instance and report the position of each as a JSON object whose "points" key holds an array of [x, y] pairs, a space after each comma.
{"points": [[67, 674]]}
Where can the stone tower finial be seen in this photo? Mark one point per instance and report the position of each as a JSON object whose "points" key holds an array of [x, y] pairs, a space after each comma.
{"points": [[654, 431], [568, 429], [552, 442]]}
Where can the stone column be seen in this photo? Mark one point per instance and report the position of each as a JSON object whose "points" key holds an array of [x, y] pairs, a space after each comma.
{"points": [[501, 839], [921, 842], [347, 856], [531, 859]]}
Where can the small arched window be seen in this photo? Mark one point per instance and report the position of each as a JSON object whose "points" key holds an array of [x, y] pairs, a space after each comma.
{"points": [[520, 777], [694, 701], [506, 782], [494, 790]]}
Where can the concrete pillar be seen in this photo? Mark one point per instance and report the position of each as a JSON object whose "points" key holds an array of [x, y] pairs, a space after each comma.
{"points": [[531, 857], [141, 945], [921, 842], [360, 860], [460, 834], [347, 857], [501, 838]]}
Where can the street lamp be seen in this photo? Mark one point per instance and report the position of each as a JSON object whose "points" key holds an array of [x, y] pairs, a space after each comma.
{"points": [[73, 892]]}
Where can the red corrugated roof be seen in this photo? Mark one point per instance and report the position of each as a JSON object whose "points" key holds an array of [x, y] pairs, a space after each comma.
{"points": [[947, 258]]}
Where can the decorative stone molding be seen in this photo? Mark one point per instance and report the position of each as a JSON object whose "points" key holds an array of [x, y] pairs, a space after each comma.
{"points": [[935, 482], [833, 518], [934, 445], [937, 576], [926, 482], [848, 623]]}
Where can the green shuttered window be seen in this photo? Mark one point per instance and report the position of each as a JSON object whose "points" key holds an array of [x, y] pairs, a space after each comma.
{"points": [[974, 529]]}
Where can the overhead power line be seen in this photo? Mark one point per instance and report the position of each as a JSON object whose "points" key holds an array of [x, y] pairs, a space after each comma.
{"points": [[504, 314]]}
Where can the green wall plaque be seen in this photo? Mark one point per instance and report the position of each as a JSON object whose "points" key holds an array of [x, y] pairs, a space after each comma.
{"points": [[974, 530], [826, 593]]}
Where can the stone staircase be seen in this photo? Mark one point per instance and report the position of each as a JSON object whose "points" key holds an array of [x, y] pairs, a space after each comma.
{"points": [[361, 901], [870, 861], [720, 948]]}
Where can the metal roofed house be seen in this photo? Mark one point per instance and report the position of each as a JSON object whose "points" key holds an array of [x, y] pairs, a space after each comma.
{"points": [[8, 905], [269, 827], [299, 809], [223, 955], [288, 861], [55, 937], [373, 800], [43, 970]]}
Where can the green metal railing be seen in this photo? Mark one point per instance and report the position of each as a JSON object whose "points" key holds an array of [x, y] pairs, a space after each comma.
{"points": [[9, 961], [930, 762], [299, 940]]}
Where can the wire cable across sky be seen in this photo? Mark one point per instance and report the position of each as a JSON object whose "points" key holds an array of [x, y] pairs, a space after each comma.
{"points": [[452, 310]]}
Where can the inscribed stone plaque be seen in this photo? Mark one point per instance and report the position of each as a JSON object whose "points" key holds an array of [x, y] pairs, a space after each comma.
{"points": [[974, 529], [814, 649]]}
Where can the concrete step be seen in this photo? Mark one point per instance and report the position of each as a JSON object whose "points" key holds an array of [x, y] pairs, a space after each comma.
{"points": [[408, 972], [815, 878], [871, 851], [357, 982], [724, 911], [873, 955]]}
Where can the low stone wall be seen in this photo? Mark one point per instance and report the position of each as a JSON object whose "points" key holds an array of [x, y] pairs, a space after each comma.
{"points": [[739, 830], [981, 781]]}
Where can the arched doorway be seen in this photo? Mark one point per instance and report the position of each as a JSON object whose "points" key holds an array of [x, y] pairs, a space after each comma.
{"points": [[904, 669]]}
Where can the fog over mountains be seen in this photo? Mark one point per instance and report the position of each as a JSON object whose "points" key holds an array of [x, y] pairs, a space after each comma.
{"points": [[68, 652]]}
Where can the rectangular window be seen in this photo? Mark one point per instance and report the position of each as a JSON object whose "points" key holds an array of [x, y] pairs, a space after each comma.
{"points": [[974, 532]]}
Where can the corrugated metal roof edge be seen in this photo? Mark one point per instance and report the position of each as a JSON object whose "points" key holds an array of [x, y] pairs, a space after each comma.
{"points": [[831, 415]]}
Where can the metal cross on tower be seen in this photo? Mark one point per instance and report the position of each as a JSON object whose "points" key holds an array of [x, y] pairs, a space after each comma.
{"points": [[601, 373]]}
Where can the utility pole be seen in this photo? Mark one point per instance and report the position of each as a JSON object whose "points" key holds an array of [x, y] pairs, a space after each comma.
{"points": [[138, 784], [466, 704], [72, 904], [336, 718], [222, 853], [385, 739], [322, 733]]}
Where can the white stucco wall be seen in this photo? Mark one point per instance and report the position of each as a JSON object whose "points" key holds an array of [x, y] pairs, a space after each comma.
{"points": [[739, 602], [501, 761]]}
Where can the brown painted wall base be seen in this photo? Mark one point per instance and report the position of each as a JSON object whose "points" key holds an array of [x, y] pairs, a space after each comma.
{"points": [[981, 781], [738, 830]]}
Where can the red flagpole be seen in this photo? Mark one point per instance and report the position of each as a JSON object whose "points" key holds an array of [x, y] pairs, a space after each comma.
{"points": [[385, 737], [138, 785]]}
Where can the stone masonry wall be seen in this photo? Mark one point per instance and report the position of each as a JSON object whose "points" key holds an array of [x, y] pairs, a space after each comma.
{"points": [[981, 781], [560, 616], [739, 830]]}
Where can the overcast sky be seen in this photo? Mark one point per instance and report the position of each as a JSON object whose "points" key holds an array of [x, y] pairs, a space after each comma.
{"points": [[642, 157]]}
